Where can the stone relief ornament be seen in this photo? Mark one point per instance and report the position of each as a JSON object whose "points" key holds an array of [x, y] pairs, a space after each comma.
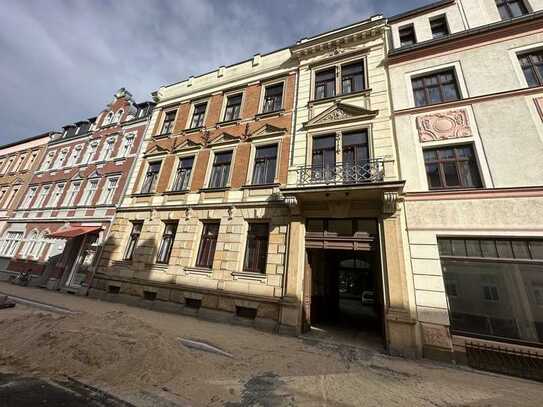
{"points": [[442, 126], [336, 114]]}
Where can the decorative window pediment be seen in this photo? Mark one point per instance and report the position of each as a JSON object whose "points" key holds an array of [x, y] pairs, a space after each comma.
{"points": [[156, 149], [186, 145], [224, 138], [341, 113], [267, 130]]}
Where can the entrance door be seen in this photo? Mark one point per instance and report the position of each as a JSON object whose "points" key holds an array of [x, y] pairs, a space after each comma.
{"points": [[346, 296], [84, 261]]}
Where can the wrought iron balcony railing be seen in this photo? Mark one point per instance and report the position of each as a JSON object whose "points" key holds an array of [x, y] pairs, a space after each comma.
{"points": [[361, 172]]}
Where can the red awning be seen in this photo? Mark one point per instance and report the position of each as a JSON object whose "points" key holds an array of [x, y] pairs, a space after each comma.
{"points": [[74, 231]]}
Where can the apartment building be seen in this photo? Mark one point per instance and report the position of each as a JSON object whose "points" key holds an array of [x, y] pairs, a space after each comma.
{"points": [[70, 201], [18, 161], [467, 91], [203, 228]]}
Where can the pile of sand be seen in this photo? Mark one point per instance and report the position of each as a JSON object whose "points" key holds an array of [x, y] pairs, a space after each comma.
{"points": [[116, 349]]}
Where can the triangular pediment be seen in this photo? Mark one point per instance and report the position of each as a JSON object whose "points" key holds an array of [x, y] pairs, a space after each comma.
{"points": [[267, 130], [339, 113], [156, 148], [187, 144], [224, 137]]}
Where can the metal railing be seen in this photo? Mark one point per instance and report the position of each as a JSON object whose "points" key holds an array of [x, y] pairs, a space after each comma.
{"points": [[361, 172]]}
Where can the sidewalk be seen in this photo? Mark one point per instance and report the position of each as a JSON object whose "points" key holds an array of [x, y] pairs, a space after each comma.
{"points": [[137, 355]]}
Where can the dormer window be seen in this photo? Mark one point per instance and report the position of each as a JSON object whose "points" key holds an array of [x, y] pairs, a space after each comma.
{"points": [[511, 8], [407, 35], [108, 119], [118, 116], [273, 98], [198, 115], [169, 120]]}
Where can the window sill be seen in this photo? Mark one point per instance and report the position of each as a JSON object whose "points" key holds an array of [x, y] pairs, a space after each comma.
{"points": [[228, 122], [342, 96], [222, 189], [193, 129], [261, 186], [180, 192], [160, 136], [247, 275], [269, 114], [200, 271], [142, 194]]}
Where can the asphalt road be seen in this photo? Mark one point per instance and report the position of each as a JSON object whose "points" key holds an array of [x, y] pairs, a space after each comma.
{"points": [[20, 391]]}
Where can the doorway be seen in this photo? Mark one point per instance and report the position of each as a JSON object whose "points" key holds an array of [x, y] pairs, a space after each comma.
{"points": [[84, 261], [346, 303]]}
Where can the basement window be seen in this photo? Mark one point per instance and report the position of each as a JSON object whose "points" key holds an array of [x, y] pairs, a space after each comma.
{"points": [[113, 289], [149, 295], [193, 303], [247, 313]]}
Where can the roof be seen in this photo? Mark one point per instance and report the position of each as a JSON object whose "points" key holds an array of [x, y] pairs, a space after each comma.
{"points": [[26, 140]]}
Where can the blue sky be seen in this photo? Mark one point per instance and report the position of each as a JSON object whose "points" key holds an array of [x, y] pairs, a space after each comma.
{"points": [[62, 60]]}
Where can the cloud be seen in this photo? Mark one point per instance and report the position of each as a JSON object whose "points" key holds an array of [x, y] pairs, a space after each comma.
{"points": [[63, 60]]}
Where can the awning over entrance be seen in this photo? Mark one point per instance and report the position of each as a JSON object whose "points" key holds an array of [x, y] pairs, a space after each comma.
{"points": [[74, 231]]}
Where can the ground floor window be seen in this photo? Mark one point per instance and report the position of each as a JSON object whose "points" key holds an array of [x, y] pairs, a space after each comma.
{"points": [[208, 243], [494, 287], [257, 248], [11, 243]]}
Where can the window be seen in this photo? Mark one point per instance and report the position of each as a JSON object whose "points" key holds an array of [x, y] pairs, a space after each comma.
{"points": [[355, 156], [90, 190], [169, 120], [452, 167], [107, 150], [220, 170], [31, 161], [57, 193], [72, 193], [532, 66], [43, 195], [182, 176], [133, 240], [325, 83], [20, 162], [109, 193], [126, 148], [198, 115], [61, 158], [12, 196], [151, 177], [11, 243], [256, 250], [206, 252], [10, 163], [273, 98], [352, 77], [439, 27], [324, 157], [34, 245], [48, 161], [29, 196], [118, 116], [435, 88], [407, 35], [90, 152], [497, 280], [166, 244], [511, 8], [75, 155], [2, 196], [265, 163], [233, 106], [2, 162], [108, 119]]}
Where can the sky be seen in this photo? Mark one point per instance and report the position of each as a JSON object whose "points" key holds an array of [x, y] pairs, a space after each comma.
{"points": [[62, 60]]}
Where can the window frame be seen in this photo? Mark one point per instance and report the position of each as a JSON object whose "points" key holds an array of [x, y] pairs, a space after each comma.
{"points": [[532, 66], [206, 260], [133, 240], [89, 193], [507, 7], [338, 66], [435, 73], [175, 174], [263, 88], [71, 196], [440, 162], [213, 156], [164, 253], [442, 18], [195, 104], [316, 84], [253, 162], [227, 97], [413, 33], [154, 183], [127, 145], [171, 125], [106, 198], [250, 262]]}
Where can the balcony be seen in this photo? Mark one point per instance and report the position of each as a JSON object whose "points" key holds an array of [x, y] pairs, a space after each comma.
{"points": [[362, 172]]}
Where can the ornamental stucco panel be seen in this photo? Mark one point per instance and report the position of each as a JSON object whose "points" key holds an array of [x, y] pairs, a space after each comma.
{"points": [[442, 126]]}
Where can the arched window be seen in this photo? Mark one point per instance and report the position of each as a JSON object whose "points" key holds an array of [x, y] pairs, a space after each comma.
{"points": [[108, 119], [119, 115]]}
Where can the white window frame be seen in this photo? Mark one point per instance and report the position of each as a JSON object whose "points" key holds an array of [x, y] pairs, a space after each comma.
{"points": [[92, 148], [513, 55], [338, 85], [12, 194], [278, 141], [73, 190], [107, 149], [221, 149], [89, 192], [29, 197], [42, 197], [178, 158], [127, 145], [29, 162], [108, 194], [61, 158], [48, 161], [108, 119], [225, 101], [193, 104], [74, 156], [20, 161], [10, 243], [263, 87], [58, 190], [118, 116]]}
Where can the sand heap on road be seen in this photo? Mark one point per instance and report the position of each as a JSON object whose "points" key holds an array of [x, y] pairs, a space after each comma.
{"points": [[119, 350]]}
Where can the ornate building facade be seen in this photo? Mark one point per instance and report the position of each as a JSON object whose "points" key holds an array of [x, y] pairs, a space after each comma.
{"points": [[68, 207], [203, 228], [467, 84]]}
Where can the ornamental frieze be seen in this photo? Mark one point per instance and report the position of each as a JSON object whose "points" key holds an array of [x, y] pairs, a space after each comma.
{"points": [[442, 126]]}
